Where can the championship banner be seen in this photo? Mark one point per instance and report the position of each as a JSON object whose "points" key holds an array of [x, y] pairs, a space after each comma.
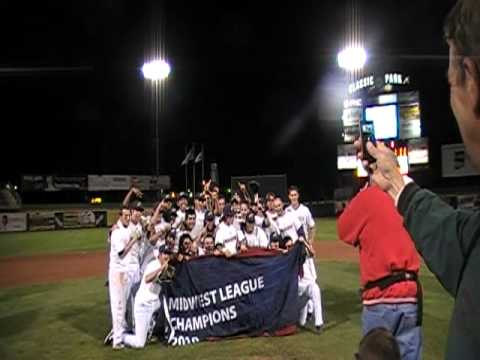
{"points": [[13, 222], [216, 297], [76, 219]]}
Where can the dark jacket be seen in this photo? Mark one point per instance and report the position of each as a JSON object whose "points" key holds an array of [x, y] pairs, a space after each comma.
{"points": [[449, 242]]}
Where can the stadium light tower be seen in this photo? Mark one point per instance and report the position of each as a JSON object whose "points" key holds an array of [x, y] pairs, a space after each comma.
{"points": [[352, 58], [156, 71]]}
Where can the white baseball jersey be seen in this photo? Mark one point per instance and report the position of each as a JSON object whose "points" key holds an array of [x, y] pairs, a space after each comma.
{"points": [[288, 225], [257, 238], [199, 223], [149, 292], [227, 236], [135, 251], [118, 240], [180, 218], [259, 220], [304, 215]]}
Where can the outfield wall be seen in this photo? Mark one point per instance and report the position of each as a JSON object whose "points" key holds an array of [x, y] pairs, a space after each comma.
{"points": [[56, 220]]}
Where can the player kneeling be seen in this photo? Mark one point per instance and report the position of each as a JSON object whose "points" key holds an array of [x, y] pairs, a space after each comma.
{"points": [[147, 299]]}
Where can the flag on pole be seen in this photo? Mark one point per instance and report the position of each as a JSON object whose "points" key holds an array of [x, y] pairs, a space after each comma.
{"points": [[188, 157], [199, 157]]}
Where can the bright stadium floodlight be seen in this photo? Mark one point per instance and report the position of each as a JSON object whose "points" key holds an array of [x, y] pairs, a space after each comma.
{"points": [[352, 58], [156, 70]]}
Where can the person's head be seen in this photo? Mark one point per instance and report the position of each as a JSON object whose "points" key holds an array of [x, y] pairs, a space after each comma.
{"points": [[170, 239], [164, 254], [244, 208], [275, 241], [378, 344], [269, 200], [209, 219], [214, 187], [136, 214], [278, 205], [293, 195], [462, 32], [190, 218], [250, 222], [228, 215], [286, 243], [208, 243], [221, 203], [169, 216], [167, 202], [182, 202], [124, 216], [200, 202], [235, 205], [185, 244]]}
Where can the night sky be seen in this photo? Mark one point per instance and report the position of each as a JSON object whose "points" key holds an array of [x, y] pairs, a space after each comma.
{"points": [[257, 84]]}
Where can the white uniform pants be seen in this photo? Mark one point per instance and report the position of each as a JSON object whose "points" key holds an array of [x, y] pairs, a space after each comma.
{"points": [[143, 315], [311, 290], [119, 285]]}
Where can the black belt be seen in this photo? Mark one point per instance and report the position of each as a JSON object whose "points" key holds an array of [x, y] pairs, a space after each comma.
{"points": [[397, 277]]}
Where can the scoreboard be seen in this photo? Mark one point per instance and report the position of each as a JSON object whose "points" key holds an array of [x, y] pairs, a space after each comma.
{"points": [[393, 108]]}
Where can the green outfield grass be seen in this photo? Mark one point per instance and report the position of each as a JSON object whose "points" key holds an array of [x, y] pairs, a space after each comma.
{"points": [[69, 320], [52, 242], [326, 229]]}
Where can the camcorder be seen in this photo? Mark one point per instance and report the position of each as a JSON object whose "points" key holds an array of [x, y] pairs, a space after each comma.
{"points": [[367, 133]]}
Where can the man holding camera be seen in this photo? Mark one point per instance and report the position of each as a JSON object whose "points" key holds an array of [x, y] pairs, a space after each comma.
{"points": [[447, 238]]}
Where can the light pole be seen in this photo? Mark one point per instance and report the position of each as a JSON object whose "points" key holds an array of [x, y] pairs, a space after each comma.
{"points": [[156, 71]]}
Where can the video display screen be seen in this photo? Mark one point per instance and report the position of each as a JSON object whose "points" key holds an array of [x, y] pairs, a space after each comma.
{"points": [[385, 120]]}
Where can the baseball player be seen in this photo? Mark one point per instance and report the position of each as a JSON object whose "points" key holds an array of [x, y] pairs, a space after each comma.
{"points": [[308, 287], [226, 237], [186, 227], [305, 216], [182, 205], [120, 278], [251, 234], [301, 212], [286, 223], [147, 299]]}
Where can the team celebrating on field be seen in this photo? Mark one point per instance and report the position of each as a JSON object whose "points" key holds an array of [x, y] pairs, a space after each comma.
{"points": [[145, 247]]}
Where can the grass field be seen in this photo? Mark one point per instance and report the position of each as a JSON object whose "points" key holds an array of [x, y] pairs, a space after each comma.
{"points": [[53, 242], [68, 320]]}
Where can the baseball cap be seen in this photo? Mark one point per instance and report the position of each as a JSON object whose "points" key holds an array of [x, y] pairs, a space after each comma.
{"points": [[163, 249], [167, 198], [274, 237], [209, 216], [182, 195], [250, 218], [200, 196], [138, 206]]}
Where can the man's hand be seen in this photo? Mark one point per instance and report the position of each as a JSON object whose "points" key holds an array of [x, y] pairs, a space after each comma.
{"points": [[386, 172], [137, 192]]}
